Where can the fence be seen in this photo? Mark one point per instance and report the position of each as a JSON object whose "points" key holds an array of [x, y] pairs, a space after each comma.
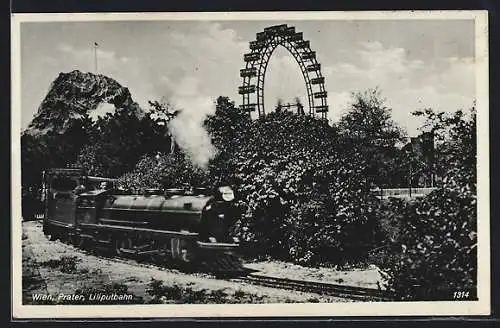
{"points": [[402, 192]]}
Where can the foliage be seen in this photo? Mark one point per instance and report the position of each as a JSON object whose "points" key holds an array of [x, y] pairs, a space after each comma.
{"points": [[119, 140], [301, 198], [67, 264], [303, 186], [368, 129], [163, 171], [227, 130], [42, 151], [175, 294], [455, 135], [39, 152], [437, 233]]}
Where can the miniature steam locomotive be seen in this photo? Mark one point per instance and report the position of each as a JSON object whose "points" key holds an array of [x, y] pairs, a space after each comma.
{"points": [[187, 227]]}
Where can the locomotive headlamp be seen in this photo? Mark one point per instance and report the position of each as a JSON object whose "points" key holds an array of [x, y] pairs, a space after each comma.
{"points": [[227, 193]]}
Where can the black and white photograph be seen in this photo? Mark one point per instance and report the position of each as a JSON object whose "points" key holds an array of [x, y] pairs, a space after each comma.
{"points": [[250, 164]]}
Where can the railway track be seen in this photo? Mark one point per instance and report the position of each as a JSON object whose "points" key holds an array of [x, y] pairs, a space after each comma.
{"points": [[350, 292], [256, 278]]}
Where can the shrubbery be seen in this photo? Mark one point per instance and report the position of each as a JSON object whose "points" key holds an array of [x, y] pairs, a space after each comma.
{"points": [[162, 171], [302, 197], [438, 240], [119, 140], [437, 233]]}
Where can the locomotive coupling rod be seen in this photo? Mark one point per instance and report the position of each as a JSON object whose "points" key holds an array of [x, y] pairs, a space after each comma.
{"points": [[107, 242], [138, 253], [150, 252], [141, 247], [86, 236], [128, 251]]}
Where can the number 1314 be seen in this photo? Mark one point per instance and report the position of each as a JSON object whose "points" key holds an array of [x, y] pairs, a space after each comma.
{"points": [[460, 295]]}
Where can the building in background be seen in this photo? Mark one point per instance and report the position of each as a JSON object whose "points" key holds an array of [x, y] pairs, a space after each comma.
{"points": [[421, 160]]}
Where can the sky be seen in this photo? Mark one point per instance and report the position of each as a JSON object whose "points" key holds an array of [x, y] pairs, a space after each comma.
{"points": [[416, 63]]}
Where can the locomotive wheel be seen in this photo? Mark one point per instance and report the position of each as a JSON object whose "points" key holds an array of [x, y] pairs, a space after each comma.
{"points": [[75, 240], [67, 239], [82, 243], [122, 243], [166, 257], [52, 234]]}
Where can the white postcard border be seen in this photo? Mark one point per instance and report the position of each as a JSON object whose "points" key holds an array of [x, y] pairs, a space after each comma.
{"points": [[435, 308]]}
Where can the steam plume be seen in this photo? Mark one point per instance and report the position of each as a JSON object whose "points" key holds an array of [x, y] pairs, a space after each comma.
{"points": [[188, 131]]}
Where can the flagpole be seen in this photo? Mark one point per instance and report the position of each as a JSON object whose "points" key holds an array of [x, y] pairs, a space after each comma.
{"points": [[95, 56]]}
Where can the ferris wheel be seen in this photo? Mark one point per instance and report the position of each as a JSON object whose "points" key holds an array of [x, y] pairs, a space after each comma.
{"points": [[257, 60]]}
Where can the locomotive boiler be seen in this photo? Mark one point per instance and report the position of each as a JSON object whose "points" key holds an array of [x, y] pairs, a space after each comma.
{"points": [[189, 228]]}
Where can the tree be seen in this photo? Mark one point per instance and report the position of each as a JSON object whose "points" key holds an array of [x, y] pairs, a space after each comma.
{"points": [[455, 138], [163, 171], [438, 233], [368, 129], [52, 149], [227, 130], [43, 151], [120, 139], [162, 111]]}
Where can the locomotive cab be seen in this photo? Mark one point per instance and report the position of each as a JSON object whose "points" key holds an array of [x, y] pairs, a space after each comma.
{"points": [[59, 199], [66, 192]]}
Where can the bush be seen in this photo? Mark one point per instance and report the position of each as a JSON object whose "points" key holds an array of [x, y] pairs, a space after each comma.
{"points": [[66, 264], [175, 294], [118, 141], [437, 233], [163, 171], [302, 200], [438, 247]]}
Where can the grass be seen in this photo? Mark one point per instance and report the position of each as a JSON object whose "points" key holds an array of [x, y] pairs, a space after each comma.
{"points": [[67, 264], [175, 294]]}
